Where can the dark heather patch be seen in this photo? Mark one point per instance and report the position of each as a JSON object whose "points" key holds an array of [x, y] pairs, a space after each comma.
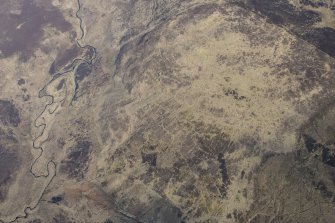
{"points": [[313, 3], [233, 93], [9, 114], [8, 161], [60, 85], [299, 22], [52, 69], [163, 213], [224, 175], [320, 186], [22, 27], [149, 158], [76, 164], [310, 143], [83, 70], [322, 38], [332, 176], [328, 157], [312, 146], [64, 57], [281, 12], [67, 56], [21, 82], [56, 199]]}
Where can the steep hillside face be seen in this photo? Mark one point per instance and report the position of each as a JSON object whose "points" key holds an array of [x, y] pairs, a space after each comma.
{"points": [[168, 111]]}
